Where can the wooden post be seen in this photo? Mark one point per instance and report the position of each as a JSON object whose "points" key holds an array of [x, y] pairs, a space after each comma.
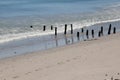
{"points": [[99, 34], [71, 29], [51, 27], [44, 28], [114, 30], [55, 31], [87, 34], [102, 30], [109, 30], [82, 30], [65, 32], [31, 26], [78, 35], [92, 33], [72, 33]]}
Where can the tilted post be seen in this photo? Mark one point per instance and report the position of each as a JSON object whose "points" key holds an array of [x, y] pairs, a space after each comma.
{"points": [[109, 30]]}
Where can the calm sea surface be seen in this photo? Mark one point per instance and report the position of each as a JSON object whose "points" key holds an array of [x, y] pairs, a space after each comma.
{"points": [[17, 15]]}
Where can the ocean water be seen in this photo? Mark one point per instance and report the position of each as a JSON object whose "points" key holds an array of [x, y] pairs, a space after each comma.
{"points": [[17, 15]]}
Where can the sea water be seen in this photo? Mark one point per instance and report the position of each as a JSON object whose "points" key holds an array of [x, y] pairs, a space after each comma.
{"points": [[16, 17]]}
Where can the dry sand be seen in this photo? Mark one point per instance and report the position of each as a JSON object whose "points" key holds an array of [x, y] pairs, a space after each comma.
{"points": [[90, 60]]}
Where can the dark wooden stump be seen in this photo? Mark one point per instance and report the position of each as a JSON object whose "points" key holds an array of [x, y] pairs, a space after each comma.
{"points": [[109, 30], [65, 32], [114, 30], [55, 31], [87, 34], [82, 30], [44, 28], [92, 33], [102, 30], [51, 27], [78, 35], [71, 28], [31, 26], [99, 34]]}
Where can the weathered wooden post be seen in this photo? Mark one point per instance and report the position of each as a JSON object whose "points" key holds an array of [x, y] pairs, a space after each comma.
{"points": [[102, 30], [82, 30], [99, 34], [71, 28], [55, 31], [87, 34], [65, 32], [44, 28], [72, 33], [92, 33], [51, 27], [31, 26], [114, 30], [109, 30], [78, 35]]}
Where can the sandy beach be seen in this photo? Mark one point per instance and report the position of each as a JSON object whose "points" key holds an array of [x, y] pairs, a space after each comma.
{"points": [[59, 39], [89, 60]]}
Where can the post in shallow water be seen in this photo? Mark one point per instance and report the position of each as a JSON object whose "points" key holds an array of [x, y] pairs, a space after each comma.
{"points": [[109, 30], [65, 32]]}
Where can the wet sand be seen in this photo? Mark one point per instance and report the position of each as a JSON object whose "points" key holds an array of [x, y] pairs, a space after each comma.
{"points": [[97, 59]]}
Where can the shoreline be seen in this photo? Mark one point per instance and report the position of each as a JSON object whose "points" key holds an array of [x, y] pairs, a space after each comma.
{"points": [[35, 44], [83, 60], [83, 43]]}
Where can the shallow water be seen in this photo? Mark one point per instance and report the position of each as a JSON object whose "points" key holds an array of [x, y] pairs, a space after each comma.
{"points": [[16, 17]]}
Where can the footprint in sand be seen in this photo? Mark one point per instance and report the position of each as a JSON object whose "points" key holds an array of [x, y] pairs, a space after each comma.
{"points": [[38, 69], [118, 73], [48, 66], [2, 78], [60, 63], [75, 58], [106, 74], [27, 73], [68, 60], [14, 77]]}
